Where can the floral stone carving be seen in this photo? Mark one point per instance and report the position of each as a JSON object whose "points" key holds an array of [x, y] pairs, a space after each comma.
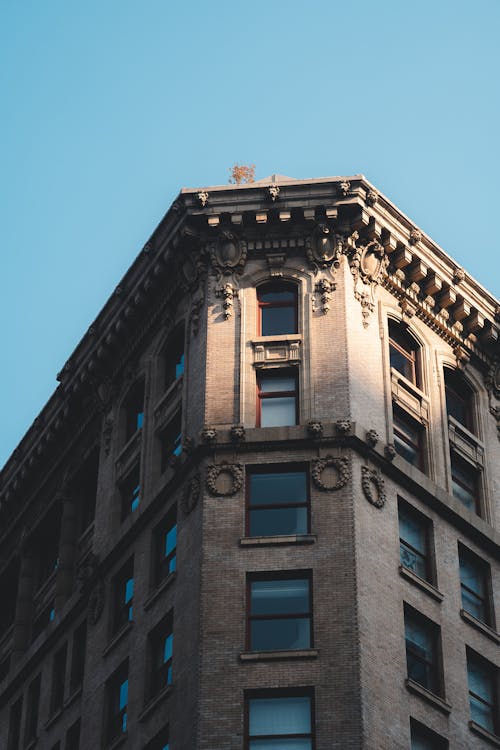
{"points": [[224, 480], [325, 287], [373, 487], [226, 292], [341, 466], [368, 265]]}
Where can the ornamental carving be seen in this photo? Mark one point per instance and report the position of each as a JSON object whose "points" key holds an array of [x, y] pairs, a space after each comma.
{"points": [[191, 494], [324, 289], [194, 315], [96, 603], [372, 438], [415, 236], [226, 292], [224, 480], [341, 467], [373, 487], [390, 452], [228, 254], [492, 380], [202, 197], [343, 188], [343, 426], [208, 434], [371, 197], [238, 433], [368, 265], [87, 571], [324, 248], [315, 428], [273, 192]]}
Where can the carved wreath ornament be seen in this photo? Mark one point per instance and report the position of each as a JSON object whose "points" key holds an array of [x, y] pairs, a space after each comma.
{"points": [[219, 488], [341, 465], [373, 487]]}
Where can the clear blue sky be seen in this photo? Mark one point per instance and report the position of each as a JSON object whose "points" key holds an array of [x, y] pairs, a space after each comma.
{"points": [[109, 108]]}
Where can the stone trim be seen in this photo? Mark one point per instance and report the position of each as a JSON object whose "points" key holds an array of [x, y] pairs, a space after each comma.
{"points": [[493, 739], [340, 464], [306, 653], [421, 583], [372, 478], [262, 541], [214, 471], [155, 702], [159, 590], [427, 695], [488, 631], [117, 638]]}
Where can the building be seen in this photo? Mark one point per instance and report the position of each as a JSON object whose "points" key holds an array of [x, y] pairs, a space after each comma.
{"points": [[261, 510]]}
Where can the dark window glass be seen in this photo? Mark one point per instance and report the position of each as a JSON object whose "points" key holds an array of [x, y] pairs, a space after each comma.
{"points": [[78, 657], [58, 676], [15, 715], [403, 352], [4, 667], [483, 696], [117, 703], [280, 614], [414, 534], [422, 651], [134, 410], [423, 738], [8, 595], [45, 546], [161, 648], [278, 502], [73, 736], [281, 722], [277, 398], [458, 398], [277, 309], [131, 492], [42, 619], [408, 438], [165, 548], [123, 592], [171, 440], [32, 711], [86, 491], [160, 741], [174, 357], [465, 483], [475, 585]]}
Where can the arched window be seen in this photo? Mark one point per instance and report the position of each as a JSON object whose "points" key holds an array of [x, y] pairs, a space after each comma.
{"points": [[134, 410], [404, 352], [459, 398], [277, 308]]}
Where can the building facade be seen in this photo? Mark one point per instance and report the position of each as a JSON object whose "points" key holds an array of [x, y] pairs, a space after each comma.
{"points": [[261, 510]]}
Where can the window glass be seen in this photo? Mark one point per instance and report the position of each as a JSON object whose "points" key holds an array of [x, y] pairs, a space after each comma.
{"points": [[171, 440], [423, 738], [408, 438], [124, 596], [482, 695], [174, 357], [134, 410], [280, 614], [458, 398], [278, 309], [165, 548], [131, 492], [278, 503], [473, 583], [117, 693], [403, 351], [281, 723], [277, 393], [161, 645], [413, 538], [421, 652], [464, 479]]}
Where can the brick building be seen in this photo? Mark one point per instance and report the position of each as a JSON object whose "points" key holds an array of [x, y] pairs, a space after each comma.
{"points": [[261, 510]]}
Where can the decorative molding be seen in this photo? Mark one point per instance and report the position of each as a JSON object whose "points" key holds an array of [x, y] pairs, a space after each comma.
{"points": [[315, 428], [214, 474], [371, 197], [415, 236], [276, 263], [86, 571], [208, 434], [226, 292], [191, 494], [343, 188], [390, 452], [368, 264], [238, 433], [324, 288], [194, 315], [371, 438], [458, 275], [107, 431], [343, 426], [492, 379], [273, 192], [370, 480], [203, 197], [324, 248], [341, 465], [283, 349], [228, 255]]}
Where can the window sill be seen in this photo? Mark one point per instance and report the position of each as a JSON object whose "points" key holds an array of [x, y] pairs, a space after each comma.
{"points": [[154, 702], [159, 590], [430, 697], [259, 541], [481, 626], [493, 739], [421, 583], [117, 638], [31, 743], [77, 692], [53, 718], [305, 653], [117, 741]]}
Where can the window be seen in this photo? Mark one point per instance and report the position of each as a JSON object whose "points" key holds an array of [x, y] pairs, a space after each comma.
{"points": [[475, 584], [8, 595], [459, 398], [117, 702], [160, 648], [123, 593], [130, 492], [134, 410], [277, 309], [171, 440], [78, 657], [174, 357], [73, 736], [86, 491], [58, 677], [279, 613], [415, 542], [45, 546], [42, 620], [165, 548], [4, 667], [16, 712], [422, 651], [408, 438], [423, 738], [280, 721], [483, 695], [277, 398], [277, 501], [465, 482], [160, 741], [32, 710], [403, 352]]}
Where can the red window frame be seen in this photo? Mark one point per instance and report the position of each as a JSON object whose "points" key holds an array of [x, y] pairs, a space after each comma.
{"points": [[276, 373], [403, 343], [262, 305], [412, 425]]}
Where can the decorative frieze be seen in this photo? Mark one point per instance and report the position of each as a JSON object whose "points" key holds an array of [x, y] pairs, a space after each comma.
{"points": [[278, 350]]}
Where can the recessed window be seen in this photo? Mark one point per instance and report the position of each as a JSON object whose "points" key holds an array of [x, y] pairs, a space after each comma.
{"points": [[73, 736], [15, 715], [277, 396], [32, 710], [414, 542], [117, 703], [58, 676], [9, 583], [174, 357], [123, 596], [423, 738], [42, 619], [78, 653], [408, 438], [159, 741], [165, 548], [278, 501], [134, 410], [130, 491], [161, 642], [277, 309], [279, 616], [459, 398], [86, 491], [403, 352], [475, 584], [280, 722], [422, 651], [465, 482], [483, 692], [45, 546], [171, 440]]}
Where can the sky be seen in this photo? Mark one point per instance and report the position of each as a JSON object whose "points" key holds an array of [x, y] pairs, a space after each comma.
{"points": [[108, 108]]}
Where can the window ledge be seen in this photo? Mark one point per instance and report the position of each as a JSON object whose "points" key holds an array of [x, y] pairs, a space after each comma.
{"points": [[73, 697], [117, 742], [154, 702], [31, 743], [278, 337], [481, 626], [117, 638], [493, 739], [430, 697], [52, 719], [257, 541], [159, 590], [304, 653], [405, 572]]}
